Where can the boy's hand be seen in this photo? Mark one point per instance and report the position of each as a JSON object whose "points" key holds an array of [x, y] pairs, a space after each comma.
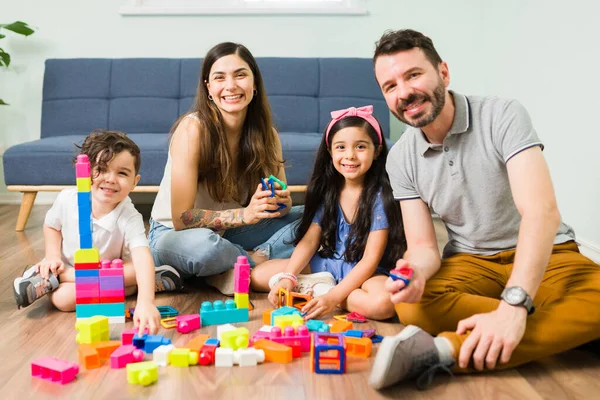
{"points": [[321, 305], [274, 293], [146, 315], [45, 267]]}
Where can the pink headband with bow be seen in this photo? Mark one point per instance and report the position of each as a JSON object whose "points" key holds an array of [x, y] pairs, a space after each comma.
{"points": [[365, 113]]}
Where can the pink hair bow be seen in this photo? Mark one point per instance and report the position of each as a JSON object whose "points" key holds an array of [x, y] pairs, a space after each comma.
{"points": [[365, 112]]}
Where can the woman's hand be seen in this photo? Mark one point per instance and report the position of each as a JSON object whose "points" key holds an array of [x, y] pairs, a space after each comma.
{"points": [[259, 204]]}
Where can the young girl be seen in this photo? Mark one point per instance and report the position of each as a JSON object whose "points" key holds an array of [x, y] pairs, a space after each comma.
{"points": [[351, 232]]}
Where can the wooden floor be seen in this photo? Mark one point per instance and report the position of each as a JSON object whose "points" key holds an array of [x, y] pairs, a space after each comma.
{"points": [[40, 331]]}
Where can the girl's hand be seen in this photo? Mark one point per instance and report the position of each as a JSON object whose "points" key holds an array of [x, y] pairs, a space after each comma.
{"points": [[287, 284], [46, 266], [322, 305], [146, 315], [260, 202]]}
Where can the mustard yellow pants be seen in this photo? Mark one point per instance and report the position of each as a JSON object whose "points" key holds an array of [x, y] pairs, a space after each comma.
{"points": [[567, 303]]}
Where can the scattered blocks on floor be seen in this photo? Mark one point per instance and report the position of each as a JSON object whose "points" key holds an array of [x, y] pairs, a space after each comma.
{"points": [[328, 353], [92, 329], [183, 357], [235, 339], [274, 352], [160, 355], [283, 321], [54, 370], [217, 313], [248, 357], [142, 373], [285, 310], [124, 355]]}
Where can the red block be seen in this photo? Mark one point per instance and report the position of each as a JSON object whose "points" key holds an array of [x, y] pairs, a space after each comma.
{"points": [[110, 300], [87, 300], [87, 266], [207, 355], [54, 370]]}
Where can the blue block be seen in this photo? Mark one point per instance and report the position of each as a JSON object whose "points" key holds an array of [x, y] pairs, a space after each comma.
{"points": [[219, 313], [85, 225], [212, 342], [353, 333], [85, 273], [84, 198], [154, 341], [105, 309], [327, 348], [314, 325], [85, 241], [139, 341], [285, 310]]}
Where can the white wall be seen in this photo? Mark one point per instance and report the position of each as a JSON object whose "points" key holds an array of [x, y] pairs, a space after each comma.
{"points": [[541, 52]]}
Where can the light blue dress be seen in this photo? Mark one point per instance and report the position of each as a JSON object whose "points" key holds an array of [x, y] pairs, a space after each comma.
{"points": [[337, 265]]}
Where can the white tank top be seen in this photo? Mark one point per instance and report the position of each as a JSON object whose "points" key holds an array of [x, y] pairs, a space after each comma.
{"points": [[161, 210]]}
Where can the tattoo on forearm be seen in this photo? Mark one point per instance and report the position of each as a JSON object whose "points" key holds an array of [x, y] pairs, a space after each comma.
{"points": [[217, 220]]}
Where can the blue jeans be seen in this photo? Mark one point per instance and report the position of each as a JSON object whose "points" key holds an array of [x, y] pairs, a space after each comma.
{"points": [[202, 252]]}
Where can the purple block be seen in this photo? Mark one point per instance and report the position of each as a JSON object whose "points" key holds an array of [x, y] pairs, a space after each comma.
{"points": [[111, 283], [86, 280]]}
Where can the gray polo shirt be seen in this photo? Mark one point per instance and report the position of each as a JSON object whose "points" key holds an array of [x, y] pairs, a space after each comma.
{"points": [[465, 180]]}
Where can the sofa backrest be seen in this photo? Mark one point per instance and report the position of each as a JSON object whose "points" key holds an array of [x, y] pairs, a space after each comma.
{"points": [[146, 95]]}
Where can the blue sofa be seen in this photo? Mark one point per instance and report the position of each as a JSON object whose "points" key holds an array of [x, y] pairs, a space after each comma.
{"points": [[143, 97]]}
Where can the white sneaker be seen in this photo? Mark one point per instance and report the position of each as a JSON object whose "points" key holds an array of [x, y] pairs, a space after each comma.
{"points": [[306, 283]]}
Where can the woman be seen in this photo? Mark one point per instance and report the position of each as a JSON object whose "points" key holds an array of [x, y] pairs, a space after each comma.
{"points": [[210, 207]]}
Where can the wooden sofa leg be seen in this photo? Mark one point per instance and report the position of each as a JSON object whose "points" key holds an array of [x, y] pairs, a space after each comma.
{"points": [[26, 206]]}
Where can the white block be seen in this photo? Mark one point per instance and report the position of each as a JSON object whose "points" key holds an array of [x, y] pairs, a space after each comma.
{"points": [[248, 357], [160, 355], [224, 328], [266, 328], [223, 357]]}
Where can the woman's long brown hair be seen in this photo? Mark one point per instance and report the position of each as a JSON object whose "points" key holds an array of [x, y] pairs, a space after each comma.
{"points": [[257, 151]]}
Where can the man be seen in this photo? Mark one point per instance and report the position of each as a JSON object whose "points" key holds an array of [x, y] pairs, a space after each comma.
{"points": [[511, 286]]}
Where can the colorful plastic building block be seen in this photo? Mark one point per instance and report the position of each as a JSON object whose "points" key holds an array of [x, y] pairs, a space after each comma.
{"points": [[93, 329], [404, 274], [114, 311], [223, 357], [183, 358], [213, 342], [328, 353], [292, 299], [241, 300], [353, 333], [124, 355], [54, 370], [314, 325], [283, 321], [241, 282], [340, 326], [248, 357], [235, 339], [92, 355], [128, 334], [276, 352], [143, 373], [150, 342], [262, 333], [266, 316], [270, 185], [358, 347], [285, 310], [207, 355], [196, 343], [160, 355], [222, 313], [290, 336], [183, 323], [221, 329]]}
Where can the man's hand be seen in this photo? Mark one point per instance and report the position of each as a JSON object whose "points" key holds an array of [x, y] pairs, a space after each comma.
{"points": [[146, 315], [400, 292], [494, 335]]}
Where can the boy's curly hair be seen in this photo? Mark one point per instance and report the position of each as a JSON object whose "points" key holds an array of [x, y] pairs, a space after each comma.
{"points": [[108, 144]]}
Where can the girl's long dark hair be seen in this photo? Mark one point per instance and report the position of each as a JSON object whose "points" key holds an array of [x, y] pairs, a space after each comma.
{"points": [[324, 189]]}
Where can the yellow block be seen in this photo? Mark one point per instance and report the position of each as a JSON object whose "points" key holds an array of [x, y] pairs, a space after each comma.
{"points": [[294, 320], [241, 300], [142, 373], [183, 358], [235, 339], [86, 256], [84, 184], [92, 330]]}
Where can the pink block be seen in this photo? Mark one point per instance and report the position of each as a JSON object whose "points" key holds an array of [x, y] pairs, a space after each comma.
{"points": [[112, 293], [290, 336], [128, 334], [86, 294], [54, 370], [259, 335], [241, 285], [187, 323], [124, 355], [87, 287], [82, 167], [111, 272]]}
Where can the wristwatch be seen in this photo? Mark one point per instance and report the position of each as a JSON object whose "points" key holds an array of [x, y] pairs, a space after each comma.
{"points": [[517, 296]]}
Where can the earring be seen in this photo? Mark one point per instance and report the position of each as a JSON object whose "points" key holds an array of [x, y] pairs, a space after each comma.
{"points": [[210, 97], [255, 92]]}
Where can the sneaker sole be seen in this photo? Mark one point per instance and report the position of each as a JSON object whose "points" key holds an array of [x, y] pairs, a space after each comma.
{"points": [[22, 301], [385, 356]]}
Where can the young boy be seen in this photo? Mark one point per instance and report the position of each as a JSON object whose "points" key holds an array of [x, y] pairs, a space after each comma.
{"points": [[118, 232]]}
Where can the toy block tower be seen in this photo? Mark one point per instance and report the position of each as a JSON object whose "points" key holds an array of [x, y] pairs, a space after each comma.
{"points": [[241, 285], [99, 286]]}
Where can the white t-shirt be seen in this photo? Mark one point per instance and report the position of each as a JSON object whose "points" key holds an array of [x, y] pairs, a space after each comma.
{"points": [[114, 235]]}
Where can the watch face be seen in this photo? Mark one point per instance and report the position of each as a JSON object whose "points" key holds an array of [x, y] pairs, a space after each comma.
{"points": [[515, 296]]}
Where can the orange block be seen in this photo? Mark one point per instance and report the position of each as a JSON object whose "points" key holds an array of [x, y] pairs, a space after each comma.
{"points": [[276, 352], [267, 316], [340, 326], [88, 356], [105, 349], [196, 343], [358, 347]]}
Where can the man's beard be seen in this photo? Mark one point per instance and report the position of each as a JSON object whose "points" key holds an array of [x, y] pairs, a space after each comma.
{"points": [[437, 105]]}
